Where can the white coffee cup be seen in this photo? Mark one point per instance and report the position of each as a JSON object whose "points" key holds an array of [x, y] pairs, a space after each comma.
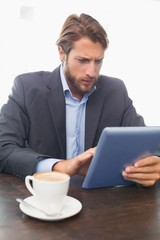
{"points": [[49, 189]]}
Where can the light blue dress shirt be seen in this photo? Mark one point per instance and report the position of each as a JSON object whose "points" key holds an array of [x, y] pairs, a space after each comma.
{"points": [[75, 126]]}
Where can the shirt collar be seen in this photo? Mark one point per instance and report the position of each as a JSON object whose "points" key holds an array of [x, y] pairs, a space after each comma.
{"points": [[63, 80], [66, 87]]}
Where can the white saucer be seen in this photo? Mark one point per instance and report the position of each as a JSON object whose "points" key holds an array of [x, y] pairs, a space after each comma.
{"points": [[71, 207]]}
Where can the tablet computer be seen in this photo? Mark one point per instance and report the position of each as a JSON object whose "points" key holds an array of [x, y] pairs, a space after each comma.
{"points": [[117, 148]]}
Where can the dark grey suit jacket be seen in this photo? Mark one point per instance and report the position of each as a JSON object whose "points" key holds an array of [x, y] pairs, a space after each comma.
{"points": [[32, 123]]}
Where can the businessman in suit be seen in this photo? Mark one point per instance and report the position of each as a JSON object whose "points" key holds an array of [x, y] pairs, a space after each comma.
{"points": [[53, 120]]}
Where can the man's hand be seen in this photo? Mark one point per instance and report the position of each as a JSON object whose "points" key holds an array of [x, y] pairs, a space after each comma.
{"points": [[145, 171], [76, 165]]}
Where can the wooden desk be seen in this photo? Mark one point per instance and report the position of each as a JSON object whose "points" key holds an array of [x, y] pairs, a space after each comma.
{"points": [[107, 214]]}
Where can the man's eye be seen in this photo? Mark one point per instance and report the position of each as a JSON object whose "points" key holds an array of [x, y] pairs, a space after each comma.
{"points": [[99, 61], [83, 60]]}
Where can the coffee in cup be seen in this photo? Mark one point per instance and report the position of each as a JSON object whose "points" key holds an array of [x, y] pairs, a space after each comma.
{"points": [[49, 189]]}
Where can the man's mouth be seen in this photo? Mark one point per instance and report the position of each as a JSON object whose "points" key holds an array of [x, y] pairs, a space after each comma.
{"points": [[87, 81]]}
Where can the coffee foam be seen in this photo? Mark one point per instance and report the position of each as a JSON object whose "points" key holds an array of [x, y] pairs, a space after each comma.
{"points": [[50, 176]]}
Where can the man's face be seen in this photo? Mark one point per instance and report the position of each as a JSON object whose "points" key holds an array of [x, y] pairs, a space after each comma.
{"points": [[82, 66]]}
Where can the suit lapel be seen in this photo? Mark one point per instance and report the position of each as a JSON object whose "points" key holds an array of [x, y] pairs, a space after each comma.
{"points": [[56, 102], [93, 112]]}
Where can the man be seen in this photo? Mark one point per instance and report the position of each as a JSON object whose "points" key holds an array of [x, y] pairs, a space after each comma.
{"points": [[59, 115]]}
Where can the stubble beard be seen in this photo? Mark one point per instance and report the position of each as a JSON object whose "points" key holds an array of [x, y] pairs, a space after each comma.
{"points": [[75, 84]]}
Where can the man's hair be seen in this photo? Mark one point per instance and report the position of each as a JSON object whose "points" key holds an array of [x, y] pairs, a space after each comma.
{"points": [[75, 27]]}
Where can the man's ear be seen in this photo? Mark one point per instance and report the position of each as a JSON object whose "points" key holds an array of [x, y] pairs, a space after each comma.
{"points": [[61, 54]]}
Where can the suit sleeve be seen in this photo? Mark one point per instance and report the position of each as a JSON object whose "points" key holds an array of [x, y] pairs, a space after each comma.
{"points": [[16, 157]]}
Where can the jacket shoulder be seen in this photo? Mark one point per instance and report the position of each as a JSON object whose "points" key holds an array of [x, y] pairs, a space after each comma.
{"points": [[36, 79], [110, 83]]}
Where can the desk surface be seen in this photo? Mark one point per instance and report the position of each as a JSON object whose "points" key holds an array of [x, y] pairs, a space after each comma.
{"points": [[107, 214]]}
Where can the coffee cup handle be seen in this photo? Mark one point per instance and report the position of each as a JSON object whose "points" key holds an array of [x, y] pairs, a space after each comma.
{"points": [[28, 181]]}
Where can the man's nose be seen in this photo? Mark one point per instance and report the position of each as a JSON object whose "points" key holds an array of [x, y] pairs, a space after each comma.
{"points": [[91, 69]]}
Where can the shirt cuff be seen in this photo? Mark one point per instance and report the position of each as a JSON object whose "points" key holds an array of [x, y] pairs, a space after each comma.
{"points": [[45, 165]]}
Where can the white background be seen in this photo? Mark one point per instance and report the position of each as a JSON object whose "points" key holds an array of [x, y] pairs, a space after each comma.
{"points": [[29, 30]]}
